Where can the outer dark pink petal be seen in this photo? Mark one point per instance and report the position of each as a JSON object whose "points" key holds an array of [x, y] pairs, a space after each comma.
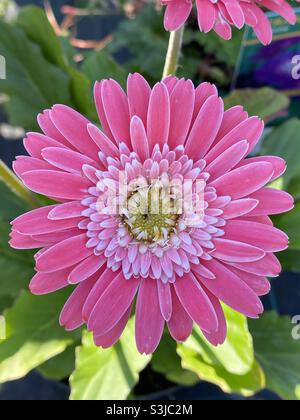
{"points": [[158, 121], [49, 128], [235, 13], [165, 299], [33, 216], [100, 109], [231, 290], [66, 160], [202, 93], [207, 14], [263, 29], [113, 304], [111, 337], [272, 201], [259, 284], [139, 139], [57, 184], [176, 14], [232, 118], [19, 241], [282, 8], [217, 338], [66, 211], [149, 322], [279, 165], [87, 268], [170, 82], [205, 128], [228, 160], [262, 236], [71, 315], [64, 254], [182, 102], [34, 143], [116, 110], [250, 129], [180, 324], [73, 126], [24, 164], [100, 286], [196, 302], [238, 208], [44, 283], [235, 251], [269, 266], [139, 92], [245, 180]]}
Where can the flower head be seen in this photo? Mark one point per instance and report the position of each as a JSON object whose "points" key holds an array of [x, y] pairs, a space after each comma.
{"points": [[221, 15], [161, 204]]}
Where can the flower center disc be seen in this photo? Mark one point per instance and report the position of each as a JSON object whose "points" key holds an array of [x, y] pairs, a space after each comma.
{"points": [[151, 214]]}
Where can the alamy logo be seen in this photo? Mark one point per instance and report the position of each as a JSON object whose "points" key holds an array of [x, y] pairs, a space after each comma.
{"points": [[296, 67], [296, 329], [2, 67]]}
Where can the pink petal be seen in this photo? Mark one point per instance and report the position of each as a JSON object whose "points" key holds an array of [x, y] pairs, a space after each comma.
{"points": [[149, 322], [103, 142], [139, 139], [245, 180], [269, 266], [235, 12], [71, 315], [232, 118], [250, 129], [202, 93], [57, 184], [180, 324], [182, 103], [99, 288], [228, 160], [100, 109], [207, 14], [272, 201], [49, 129], [34, 143], [111, 337], [279, 165], [64, 254], [19, 241], [218, 337], [231, 290], [263, 236], [235, 251], [177, 14], [44, 283], [113, 304], [205, 128], [73, 126], [66, 211], [158, 121], [282, 8], [237, 208], [138, 91], [24, 164], [165, 299], [65, 159], [116, 110], [87, 268], [196, 302], [260, 285]]}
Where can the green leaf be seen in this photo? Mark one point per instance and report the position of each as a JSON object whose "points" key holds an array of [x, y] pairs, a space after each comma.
{"points": [[264, 102], [100, 65], [34, 334], [278, 354], [33, 84], [107, 374], [11, 205], [284, 141], [167, 362], [34, 22], [59, 367], [231, 366]]}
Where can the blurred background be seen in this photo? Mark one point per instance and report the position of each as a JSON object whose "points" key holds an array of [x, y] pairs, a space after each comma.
{"points": [[110, 38]]}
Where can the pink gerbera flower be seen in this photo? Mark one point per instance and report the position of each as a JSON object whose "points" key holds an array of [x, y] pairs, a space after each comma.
{"points": [[178, 265], [220, 15]]}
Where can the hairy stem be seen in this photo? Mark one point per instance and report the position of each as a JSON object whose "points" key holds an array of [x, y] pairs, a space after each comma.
{"points": [[173, 54]]}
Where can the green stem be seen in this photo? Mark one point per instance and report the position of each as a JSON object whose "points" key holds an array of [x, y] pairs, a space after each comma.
{"points": [[15, 185], [173, 54]]}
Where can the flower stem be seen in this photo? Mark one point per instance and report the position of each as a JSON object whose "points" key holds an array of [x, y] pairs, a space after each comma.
{"points": [[16, 186], [173, 54]]}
